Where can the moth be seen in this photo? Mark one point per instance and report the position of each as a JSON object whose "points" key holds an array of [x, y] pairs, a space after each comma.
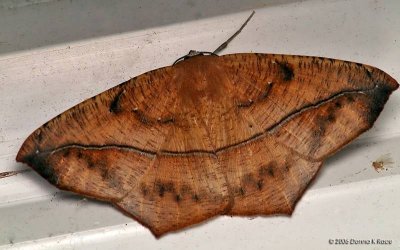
{"points": [[239, 134]]}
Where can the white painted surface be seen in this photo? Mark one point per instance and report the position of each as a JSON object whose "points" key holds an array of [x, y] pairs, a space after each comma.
{"points": [[349, 199]]}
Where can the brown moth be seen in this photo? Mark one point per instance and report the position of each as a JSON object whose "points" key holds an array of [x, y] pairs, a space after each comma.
{"points": [[239, 134]]}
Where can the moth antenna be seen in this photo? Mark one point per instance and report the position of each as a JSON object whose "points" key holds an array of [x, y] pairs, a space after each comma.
{"points": [[193, 53], [225, 44]]}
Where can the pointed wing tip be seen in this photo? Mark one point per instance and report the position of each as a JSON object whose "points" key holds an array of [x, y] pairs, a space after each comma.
{"points": [[396, 84], [20, 156], [379, 96], [392, 82], [39, 163], [25, 150], [154, 231], [30, 145], [384, 80]]}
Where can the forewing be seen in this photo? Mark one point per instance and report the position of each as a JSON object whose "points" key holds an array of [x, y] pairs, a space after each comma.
{"points": [[132, 114], [312, 105], [116, 147]]}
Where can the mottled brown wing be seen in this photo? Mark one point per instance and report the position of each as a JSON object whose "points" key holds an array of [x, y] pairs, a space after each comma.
{"points": [[307, 108], [109, 148], [313, 105], [310, 104], [240, 134]]}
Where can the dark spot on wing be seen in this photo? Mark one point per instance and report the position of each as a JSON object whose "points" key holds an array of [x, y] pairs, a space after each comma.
{"points": [[195, 198], [178, 198], [368, 73], [267, 169], [41, 165], [260, 184], [379, 97], [286, 70], [144, 190], [163, 188], [67, 152], [331, 117], [160, 188], [322, 123], [350, 98], [271, 171], [115, 106], [338, 104], [90, 163], [241, 191]]}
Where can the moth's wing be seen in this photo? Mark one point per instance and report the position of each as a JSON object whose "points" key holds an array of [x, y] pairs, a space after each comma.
{"points": [[180, 188], [178, 191], [265, 177], [312, 105], [308, 108], [103, 136], [127, 113], [107, 148]]}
